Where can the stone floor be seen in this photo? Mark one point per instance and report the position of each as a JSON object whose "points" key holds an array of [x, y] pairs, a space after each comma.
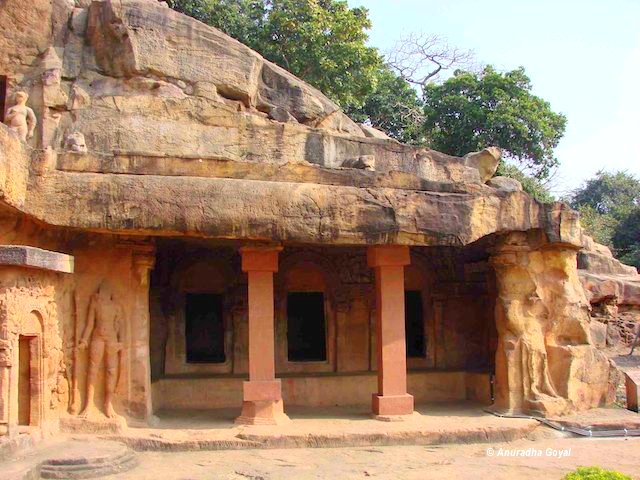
{"points": [[463, 422], [442, 441], [443, 462]]}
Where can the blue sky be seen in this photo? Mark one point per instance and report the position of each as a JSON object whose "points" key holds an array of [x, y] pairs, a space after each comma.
{"points": [[582, 56]]}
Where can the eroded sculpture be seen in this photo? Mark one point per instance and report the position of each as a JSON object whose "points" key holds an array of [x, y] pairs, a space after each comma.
{"points": [[21, 118], [103, 335], [75, 142]]}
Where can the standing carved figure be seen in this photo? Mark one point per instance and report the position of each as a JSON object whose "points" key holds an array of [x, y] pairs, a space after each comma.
{"points": [[21, 118], [103, 336]]}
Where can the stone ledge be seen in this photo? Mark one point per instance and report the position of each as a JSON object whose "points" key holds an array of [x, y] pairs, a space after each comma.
{"points": [[32, 257]]}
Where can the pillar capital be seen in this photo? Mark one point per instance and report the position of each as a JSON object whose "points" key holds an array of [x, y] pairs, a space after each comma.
{"points": [[260, 259], [388, 255]]}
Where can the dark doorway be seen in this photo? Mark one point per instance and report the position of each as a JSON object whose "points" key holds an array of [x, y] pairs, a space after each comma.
{"points": [[24, 380], [306, 333], [204, 328], [414, 324], [3, 97]]}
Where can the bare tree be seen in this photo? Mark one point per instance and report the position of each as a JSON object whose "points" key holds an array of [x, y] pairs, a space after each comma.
{"points": [[420, 58]]}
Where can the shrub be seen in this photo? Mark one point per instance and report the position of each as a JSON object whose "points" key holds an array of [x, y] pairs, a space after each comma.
{"points": [[595, 473]]}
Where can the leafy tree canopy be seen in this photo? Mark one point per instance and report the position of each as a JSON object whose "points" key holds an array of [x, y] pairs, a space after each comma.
{"points": [[607, 193], [626, 239], [609, 206], [393, 107], [321, 41], [471, 110]]}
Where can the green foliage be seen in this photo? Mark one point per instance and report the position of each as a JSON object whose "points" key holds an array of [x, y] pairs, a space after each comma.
{"points": [[393, 107], [615, 194], [609, 205], [626, 239], [472, 110], [599, 226], [241, 19], [321, 41], [595, 473], [533, 186]]}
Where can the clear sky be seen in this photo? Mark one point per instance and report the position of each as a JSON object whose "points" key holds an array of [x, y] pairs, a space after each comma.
{"points": [[583, 56]]}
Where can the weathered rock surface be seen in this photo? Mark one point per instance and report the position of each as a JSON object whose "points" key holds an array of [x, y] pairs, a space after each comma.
{"points": [[141, 38], [613, 290], [505, 184], [545, 351], [485, 161]]}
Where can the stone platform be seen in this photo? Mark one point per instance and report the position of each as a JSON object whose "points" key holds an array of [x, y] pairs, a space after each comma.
{"points": [[443, 423], [601, 419]]}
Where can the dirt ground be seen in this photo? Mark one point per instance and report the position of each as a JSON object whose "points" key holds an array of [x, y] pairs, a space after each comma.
{"points": [[550, 456]]}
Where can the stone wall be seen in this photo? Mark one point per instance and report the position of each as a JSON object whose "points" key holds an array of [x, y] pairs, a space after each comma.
{"points": [[33, 306], [348, 389], [62, 304]]}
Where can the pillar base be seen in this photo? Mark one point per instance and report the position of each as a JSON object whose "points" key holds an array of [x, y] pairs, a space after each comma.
{"points": [[391, 405], [262, 412]]}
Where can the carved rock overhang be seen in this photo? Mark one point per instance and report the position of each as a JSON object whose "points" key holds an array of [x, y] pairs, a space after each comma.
{"points": [[424, 213]]}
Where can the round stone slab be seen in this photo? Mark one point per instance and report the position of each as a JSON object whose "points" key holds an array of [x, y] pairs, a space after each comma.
{"points": [[96, 458]]}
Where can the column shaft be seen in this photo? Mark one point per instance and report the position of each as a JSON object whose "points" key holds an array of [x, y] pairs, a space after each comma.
{"points": [[262, 394], [392, 398], [261, 329]]}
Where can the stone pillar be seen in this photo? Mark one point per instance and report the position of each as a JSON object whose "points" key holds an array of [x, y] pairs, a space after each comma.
{"points": [[262, 394], [139, 368], [392, 398]]}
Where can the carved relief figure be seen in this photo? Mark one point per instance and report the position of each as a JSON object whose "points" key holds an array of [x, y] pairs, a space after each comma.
{"points": [[103, 335], [21, 118]]}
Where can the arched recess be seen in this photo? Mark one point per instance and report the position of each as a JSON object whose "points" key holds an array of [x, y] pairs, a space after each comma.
{"points": [[30, 372], [305, 272], [419, 281], [206, 277]]}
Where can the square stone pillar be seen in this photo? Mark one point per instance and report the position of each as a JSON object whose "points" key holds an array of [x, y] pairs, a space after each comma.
{"points": [[392, 398], [262, 394]]}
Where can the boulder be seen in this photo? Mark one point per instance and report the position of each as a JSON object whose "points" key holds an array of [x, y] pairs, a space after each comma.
{"points": [[485, 161], [505, 184]]}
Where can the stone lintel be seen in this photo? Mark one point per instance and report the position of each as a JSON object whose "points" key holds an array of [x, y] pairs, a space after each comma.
{"points": [[32, 257]]}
